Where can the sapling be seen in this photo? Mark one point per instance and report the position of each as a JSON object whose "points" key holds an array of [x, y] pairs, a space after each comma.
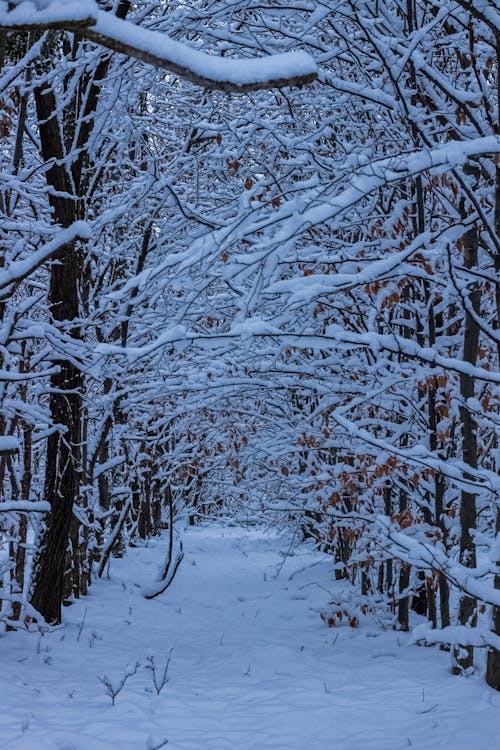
{"points": [[80, 627], [113, 687], [93, 637], [158, 675]]}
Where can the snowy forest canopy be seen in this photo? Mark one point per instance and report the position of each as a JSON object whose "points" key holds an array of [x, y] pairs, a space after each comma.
{"points": [[250, 267]]}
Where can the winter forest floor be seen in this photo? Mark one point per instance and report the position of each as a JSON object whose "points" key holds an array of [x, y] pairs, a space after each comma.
{"points": [[252, 667]]}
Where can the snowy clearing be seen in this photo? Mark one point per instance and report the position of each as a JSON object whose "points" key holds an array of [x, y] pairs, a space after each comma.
{"points": [[252, 664]]}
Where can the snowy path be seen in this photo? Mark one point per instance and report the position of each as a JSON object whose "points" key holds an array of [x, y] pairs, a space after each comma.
{"points": [[253, 667]]}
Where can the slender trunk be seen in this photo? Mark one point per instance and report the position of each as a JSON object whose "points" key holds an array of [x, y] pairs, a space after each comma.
{"points": [[404, 576], [389, 574], [431, 602], [493, 658], [26, 478], [62, 461], [66, 178], [405, 569], [467, 612]]}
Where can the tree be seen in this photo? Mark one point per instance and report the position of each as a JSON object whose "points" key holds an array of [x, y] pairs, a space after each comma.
{"points": [[66, 112], [290, 305]]}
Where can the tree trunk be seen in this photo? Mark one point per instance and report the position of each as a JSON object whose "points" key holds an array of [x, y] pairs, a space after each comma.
{"points": [[66, 182], [493, 658], [467, 612], [62, 461], [404, 576]]}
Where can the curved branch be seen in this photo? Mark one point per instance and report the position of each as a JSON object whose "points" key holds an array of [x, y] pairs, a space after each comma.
{"points": [[160, 50], [19, 270]]}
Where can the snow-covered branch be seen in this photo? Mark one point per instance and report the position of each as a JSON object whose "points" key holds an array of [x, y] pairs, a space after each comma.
{"points": [[8, 444], [160, 50], [477, 582], [24, 506], [20, 270]]}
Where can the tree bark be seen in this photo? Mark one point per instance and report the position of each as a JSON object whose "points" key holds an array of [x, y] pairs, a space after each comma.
{"points": [[467, 611], [493, 658], [62, 470]]}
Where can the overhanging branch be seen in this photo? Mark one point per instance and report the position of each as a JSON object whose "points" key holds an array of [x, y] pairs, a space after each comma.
{"points": [[160, 50]]}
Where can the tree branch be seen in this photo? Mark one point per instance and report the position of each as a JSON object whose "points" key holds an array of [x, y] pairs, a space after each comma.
{"points": [[160, 50]]}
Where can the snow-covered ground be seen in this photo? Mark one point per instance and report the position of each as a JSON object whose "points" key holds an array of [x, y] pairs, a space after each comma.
{"points": [[252, 667]]}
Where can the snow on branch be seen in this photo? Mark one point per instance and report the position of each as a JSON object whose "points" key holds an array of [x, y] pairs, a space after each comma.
{"points": [[465, 476], [413, 548], [334, 336], [364, 181], [24, 506], [160, 50], [19, 270], [454, 634], [483, 11], [8, 444], [477, 582], [32, 620]]}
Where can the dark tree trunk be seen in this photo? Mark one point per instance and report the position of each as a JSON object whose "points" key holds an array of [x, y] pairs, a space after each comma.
{"points": [[467, 614], [493, 658], [22, 533], [389, 582], [431, 602], [66, 182], [62, 461]]}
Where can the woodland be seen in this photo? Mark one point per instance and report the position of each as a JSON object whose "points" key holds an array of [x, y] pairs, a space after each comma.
{"points": [[250, 272]]}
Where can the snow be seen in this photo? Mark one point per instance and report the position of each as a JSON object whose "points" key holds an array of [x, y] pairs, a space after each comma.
{"points": [[292, 219], [8, 444], [252, 666], [305, 288], [253, 327], [238, 72], [45, 11], [24, 506], [458, 634]]}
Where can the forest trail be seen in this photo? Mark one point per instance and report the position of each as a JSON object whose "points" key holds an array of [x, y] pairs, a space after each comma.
{"points": [[252, 667]]}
